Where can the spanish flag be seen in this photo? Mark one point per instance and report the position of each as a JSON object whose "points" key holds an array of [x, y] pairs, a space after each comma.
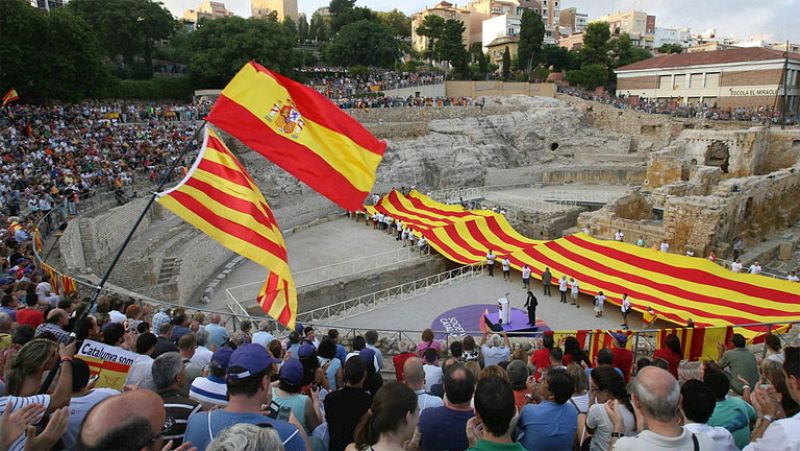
{"points": [[301, 131], [219, 197], [10, 96]]}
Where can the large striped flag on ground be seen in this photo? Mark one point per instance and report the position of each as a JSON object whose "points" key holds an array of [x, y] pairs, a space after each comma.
{"points": [[219, 197], [301, 131], [10, 96]]}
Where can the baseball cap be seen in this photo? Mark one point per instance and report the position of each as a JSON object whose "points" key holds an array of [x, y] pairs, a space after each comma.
{"points": [[298, 328], [291, 372], [620, 337], [252, 358], [221, 357], [306, 350]]}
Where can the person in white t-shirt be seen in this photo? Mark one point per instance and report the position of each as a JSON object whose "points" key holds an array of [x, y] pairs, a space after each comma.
{"points": [[793, 277], [575, 289], [755, 268], [506, 269], [605, 384], [526, 276], [433, 372], [626, 308], [421, 244], [44, 291], [498, 350], [664, 247], [490, 257], [619, 236], [563, 288], [83, 399], [263, 337], [697, 404], [737, 266], [599, 300]]}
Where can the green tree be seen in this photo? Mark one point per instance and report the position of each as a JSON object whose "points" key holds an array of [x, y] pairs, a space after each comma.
{"points": [[531, 35], [340, 6], [432, 27], [128, 28], [290, 26], [302, 28], [506, 64], [670, 48], [349, 15], [222, 46], [595, 44], [397, 22], [450, 48], [589, 76], [624, 52], [318, 29], [365, 42], [560, 58]]}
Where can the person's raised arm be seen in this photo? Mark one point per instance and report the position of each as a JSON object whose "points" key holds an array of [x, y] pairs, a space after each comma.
{"points": [[63, 391], [505, 339]]}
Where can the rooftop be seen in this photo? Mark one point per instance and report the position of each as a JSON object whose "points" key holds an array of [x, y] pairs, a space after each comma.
{"points": [[735, 55]]}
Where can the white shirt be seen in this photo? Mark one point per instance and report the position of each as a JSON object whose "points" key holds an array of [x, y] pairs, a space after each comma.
{"points": [[262, 338], [664, 247], [562, 284], [490, 258], [141, 372], [619, 236], [492, 355], [598, 420], [782, 435], [736, 267], [117, 317], [526, 272], [722, 437], [506, 265], [426, 401], [576, 288], [793, 278], [650, 441], [202, 356], [18, 403], [433, 376], [600, 301], [78, 408], [755, 269]]}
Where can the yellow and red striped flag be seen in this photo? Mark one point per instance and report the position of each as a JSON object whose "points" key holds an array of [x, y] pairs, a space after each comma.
{"points": [[219, 197], [10, 96], [698, 343], [301, 131]]}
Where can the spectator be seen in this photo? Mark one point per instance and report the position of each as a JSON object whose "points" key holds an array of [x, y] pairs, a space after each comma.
{"points": [[606, 384], [471, 350], [498, 350], [772, 372], [445, 427], [246, 437], [9, 305], [374, 380], [494, 410], [263, 337], [83, 400], [371, 338], [574, 353], [730, 412], [293, 345], [57, 319], [135, 418], [310, 336], [211, 391], [670, 353], [27, 367], [518, 374], [774, 431], [697, 404], [456, 350], [29, 314], [244, 331], [740, 363], [344, 408], [180, 323], [341, 353], [287, 393], [541, 358], [6, 323], [407, 350], [580, 397], [164, 342], [415, 379], [428, 342], [773, 344], [169, 377], [655, 397], [248, 380], [202, 355], [160, 318], [390, 421], [557, 359], [431, 368], [217, 334], [329, 362], [552, 423], [186, 347], [140, 373], [622, 357]]}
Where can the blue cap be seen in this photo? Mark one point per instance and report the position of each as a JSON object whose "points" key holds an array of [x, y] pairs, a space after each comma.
{"points": [[298, 328], [221, 357], [620, 337], [306, 350], [292, 372], [6, 281], [252, 358]]}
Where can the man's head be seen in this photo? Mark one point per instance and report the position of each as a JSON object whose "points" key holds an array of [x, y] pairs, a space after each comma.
{"points": [[113, 334], [168, 371], [459, 384], [518, 374], [717, 381], [249, 370], [371, 337], [218, 366], [294, 337], [413, 373], [431, 356], [359, 343], [80, 375], [333, 334], [355, 371], [165, 330], [134, 418], [309, 333], [656, 394], [605, 357], [697, 401], [548, 342], [146, 343], [264, 326], [187, 344], [202, 337], [215, 318], [738, 341], [494, 405], [556, 356], [558, 386], [6, 323], [180, 319]]}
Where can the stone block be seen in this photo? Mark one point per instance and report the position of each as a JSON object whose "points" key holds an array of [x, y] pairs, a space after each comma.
{"points": [[785, 251]]}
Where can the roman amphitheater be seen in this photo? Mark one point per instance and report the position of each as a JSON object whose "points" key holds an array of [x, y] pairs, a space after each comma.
{"points": [[556, 165]]}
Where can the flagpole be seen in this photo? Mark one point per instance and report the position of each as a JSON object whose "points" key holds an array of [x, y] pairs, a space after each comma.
{"points": [[164, 180]]}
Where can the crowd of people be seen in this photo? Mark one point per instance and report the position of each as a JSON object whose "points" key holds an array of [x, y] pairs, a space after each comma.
{"points": [[406, 102], [338, 83], [761, 114]]}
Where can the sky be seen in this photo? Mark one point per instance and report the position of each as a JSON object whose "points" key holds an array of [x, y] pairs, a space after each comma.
{"points": [[769, 20]]}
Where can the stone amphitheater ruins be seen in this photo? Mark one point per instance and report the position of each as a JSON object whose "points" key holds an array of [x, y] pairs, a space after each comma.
{"points": [[556, 165]]}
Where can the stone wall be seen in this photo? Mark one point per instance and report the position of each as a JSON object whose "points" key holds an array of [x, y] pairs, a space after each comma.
{"points": [[664, 168], [202, 258], [498, 88], [594, 175]]}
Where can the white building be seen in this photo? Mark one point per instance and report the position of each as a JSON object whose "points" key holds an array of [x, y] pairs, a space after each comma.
{"points": [[679, 36], [506, 25]]}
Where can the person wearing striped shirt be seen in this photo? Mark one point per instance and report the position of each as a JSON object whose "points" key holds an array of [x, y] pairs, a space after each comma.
{"points": [[212, 391], [169, 376]]}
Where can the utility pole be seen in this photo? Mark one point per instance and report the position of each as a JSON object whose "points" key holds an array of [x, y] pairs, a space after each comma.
{"points": [[785, 86]]}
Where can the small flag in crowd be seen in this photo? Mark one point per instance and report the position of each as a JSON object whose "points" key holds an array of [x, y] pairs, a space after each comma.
{"points": [[10, 96], [219, 197], [301, 131]]}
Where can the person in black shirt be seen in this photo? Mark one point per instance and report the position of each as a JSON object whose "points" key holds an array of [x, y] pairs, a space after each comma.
{"points": [[345, 407]]}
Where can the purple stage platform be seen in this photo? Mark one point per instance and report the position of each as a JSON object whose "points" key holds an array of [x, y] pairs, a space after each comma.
{"points": [[467, 319]]}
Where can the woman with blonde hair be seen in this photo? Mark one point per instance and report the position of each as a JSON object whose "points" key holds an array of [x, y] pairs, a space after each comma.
{"points": [[24, 376], [244, 436]]}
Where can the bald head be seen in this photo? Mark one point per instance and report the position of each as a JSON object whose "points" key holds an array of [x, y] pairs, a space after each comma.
{"points": [[215, 318], [413, 373], [657, 393], [57, 316], [129, 414]]}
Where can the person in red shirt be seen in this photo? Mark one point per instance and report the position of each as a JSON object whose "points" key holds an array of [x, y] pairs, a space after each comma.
{"points": [[407, 350], [30, 315], [670, 353], [623, 358], [541, 358]]}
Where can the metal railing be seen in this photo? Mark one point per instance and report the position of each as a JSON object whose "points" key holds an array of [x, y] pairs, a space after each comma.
{"points": [[727, 265]]}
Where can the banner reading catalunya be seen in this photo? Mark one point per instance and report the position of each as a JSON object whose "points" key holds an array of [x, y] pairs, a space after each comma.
{"points": [[110, 362]]}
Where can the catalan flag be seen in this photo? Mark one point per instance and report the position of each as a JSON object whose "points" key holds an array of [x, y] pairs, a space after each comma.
{"points": [[10, 96], [698, 343], [301, 131], [219, 197]]}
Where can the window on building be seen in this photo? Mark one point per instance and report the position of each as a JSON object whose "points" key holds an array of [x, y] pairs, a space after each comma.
{"points": [[665, 82], [712, 80], [696, 81], [680, 81]]}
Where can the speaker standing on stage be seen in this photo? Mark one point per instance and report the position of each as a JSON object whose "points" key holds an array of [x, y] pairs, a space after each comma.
{"points": [[531, 304]]}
